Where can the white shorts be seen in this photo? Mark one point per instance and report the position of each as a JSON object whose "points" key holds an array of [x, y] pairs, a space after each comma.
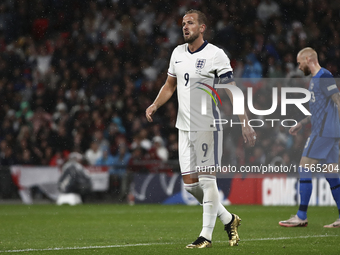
{"points": [[199, 149]]}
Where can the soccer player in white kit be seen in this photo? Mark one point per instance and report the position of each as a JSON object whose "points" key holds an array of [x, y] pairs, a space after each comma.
{"points": [[193, 67]]}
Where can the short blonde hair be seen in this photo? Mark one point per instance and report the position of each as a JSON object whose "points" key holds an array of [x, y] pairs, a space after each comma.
{"points": [[309, 51]]}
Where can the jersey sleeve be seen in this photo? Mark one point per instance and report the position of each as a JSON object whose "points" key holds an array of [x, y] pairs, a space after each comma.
{"points": [[221, 63], [328, 84], [171, 70]]}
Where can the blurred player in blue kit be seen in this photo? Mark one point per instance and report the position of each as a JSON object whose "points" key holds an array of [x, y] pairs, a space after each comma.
{"points": [[322, 146], [200, 142]]}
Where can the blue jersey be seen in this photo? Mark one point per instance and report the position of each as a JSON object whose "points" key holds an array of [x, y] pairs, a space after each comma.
{"points": [[325, 117]]}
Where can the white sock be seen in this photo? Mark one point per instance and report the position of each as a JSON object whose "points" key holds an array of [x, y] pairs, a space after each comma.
{"points": [[196, 190], [224, 215], [210, 204]]}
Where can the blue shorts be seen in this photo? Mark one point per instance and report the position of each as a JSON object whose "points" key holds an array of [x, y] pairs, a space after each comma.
{"points": [[325, 149]]}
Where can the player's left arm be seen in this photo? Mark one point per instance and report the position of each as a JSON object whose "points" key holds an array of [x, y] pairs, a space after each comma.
{"points": [[329, 88], [336, 99], [248, 133], [224, 72]]}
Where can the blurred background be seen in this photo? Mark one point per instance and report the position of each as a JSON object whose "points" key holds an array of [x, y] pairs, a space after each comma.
{"points": [[78, 75]]}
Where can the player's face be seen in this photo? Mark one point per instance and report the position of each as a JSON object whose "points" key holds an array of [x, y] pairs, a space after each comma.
{"points": [[302, 62], [191, 27]]}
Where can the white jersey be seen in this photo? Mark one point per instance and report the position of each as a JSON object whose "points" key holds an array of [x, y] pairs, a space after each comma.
{"points": [[195, 73]]}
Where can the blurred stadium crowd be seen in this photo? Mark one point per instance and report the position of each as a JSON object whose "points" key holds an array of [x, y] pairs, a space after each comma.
{"points": [[77, 75]]}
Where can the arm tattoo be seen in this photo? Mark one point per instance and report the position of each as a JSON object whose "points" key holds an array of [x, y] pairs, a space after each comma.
{"points": [[336, 98]]}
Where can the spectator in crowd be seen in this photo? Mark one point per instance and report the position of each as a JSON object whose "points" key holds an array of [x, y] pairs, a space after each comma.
{"points": [[24, 111], [59, 158], [103, 143], [267, 9], [60, 113], [142, 140], [160, 150], [252, 70], [8, 158], [106, 160], [94, 153]]}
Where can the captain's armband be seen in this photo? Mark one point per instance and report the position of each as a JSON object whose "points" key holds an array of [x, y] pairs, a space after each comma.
{"points": [[226, 78]]}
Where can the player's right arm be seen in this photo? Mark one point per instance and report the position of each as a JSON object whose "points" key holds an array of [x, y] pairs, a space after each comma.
{"points": [[163, 96], [294, 130]]}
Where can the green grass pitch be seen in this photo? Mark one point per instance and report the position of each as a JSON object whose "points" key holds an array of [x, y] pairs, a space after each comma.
{"points": [[158, 229]]}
